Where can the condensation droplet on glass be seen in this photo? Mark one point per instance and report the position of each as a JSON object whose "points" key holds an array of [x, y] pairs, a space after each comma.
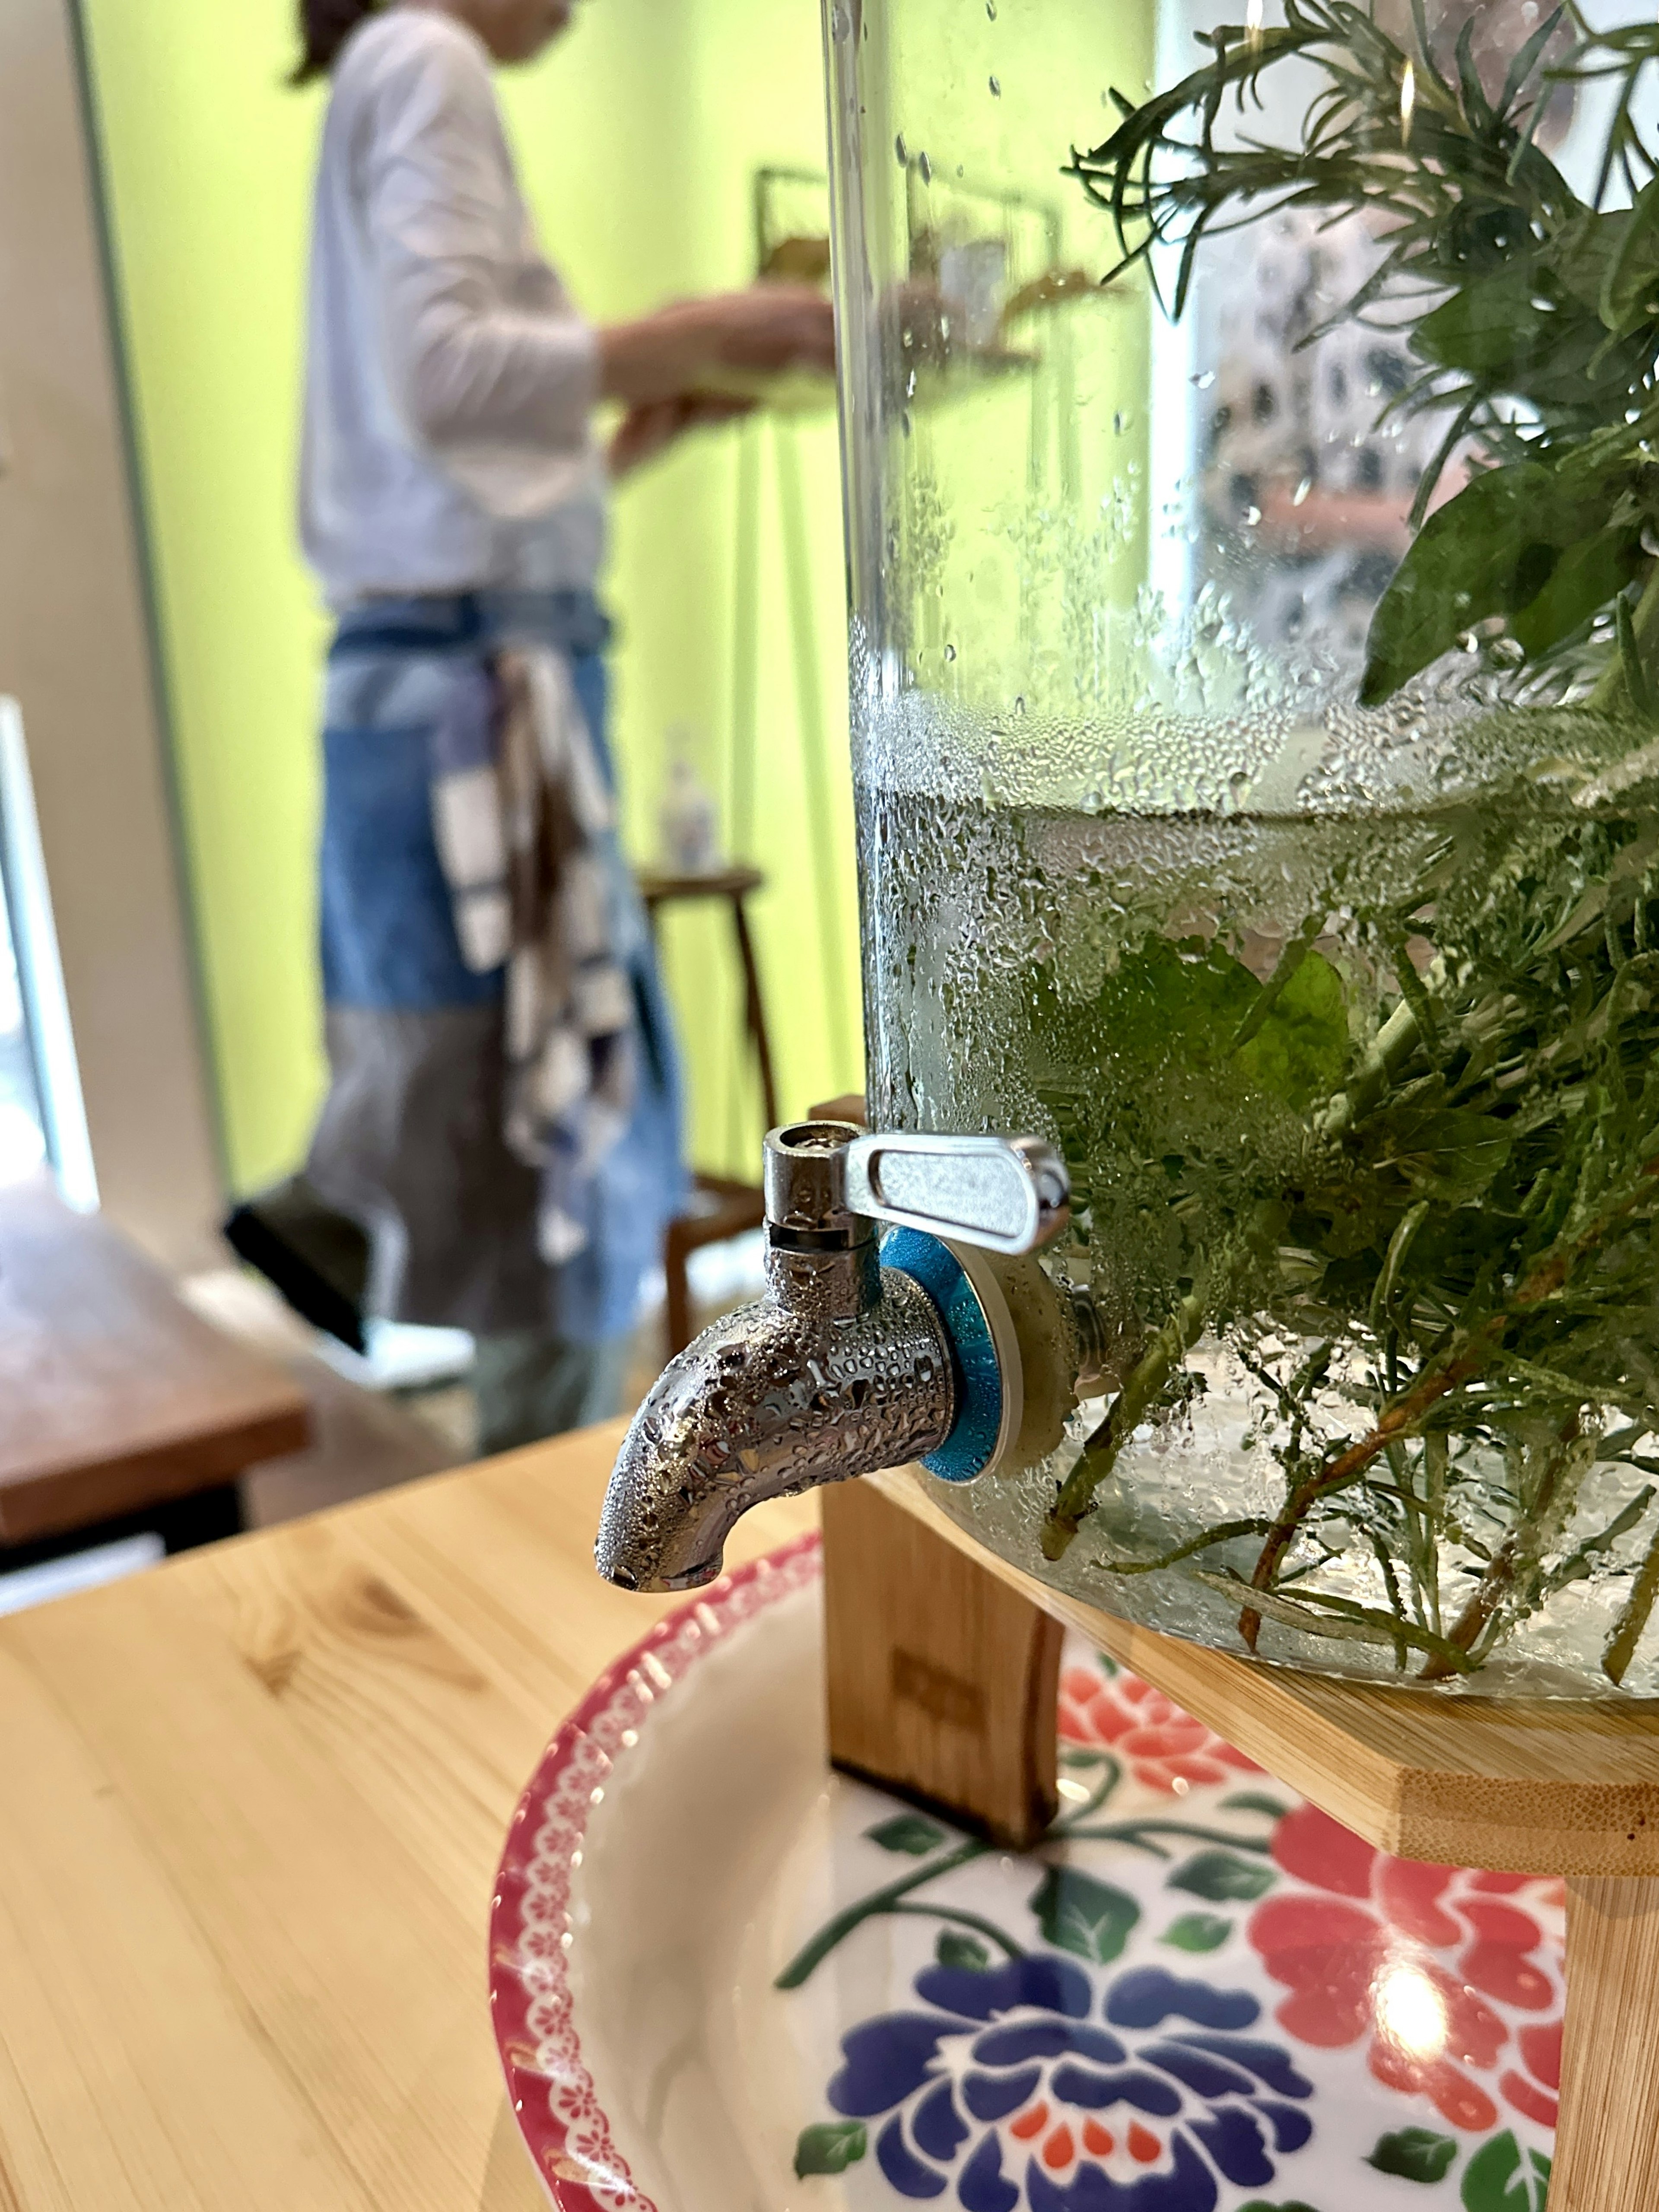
{"points": [[1205, 379], [1020, 704], [991, 9], [949, 653], [925, 168], [1120, 424], [996, 88], [1252, 516], [902, 150], [1302, 491]]}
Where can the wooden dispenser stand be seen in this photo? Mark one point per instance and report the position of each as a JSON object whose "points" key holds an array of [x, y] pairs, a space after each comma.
{"points": [[943, 1667]]}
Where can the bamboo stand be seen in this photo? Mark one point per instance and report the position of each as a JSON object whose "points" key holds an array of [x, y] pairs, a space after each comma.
{"points": [[942, 1679], [942, 1671]]}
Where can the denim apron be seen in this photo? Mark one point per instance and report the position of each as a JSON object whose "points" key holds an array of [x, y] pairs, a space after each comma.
{"points": [[409, 1141]]}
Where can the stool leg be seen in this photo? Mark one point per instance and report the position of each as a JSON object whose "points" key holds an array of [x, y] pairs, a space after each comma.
{"points": [[942, 1681], [677, 1331], [1607, 2144], [755, 1011]]}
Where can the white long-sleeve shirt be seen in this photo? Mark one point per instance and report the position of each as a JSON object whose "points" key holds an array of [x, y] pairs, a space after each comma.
{"points": [[449, 380]]}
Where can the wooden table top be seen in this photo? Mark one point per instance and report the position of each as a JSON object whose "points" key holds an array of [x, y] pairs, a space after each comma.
{"points": [[253, 1800], [251, 1806], [117, 1396]]}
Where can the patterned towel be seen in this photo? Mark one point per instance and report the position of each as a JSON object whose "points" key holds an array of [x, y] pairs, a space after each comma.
{"points": [[525, 825]]}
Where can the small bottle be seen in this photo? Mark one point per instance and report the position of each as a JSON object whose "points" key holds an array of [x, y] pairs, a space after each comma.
{"points": [[688, 824]]}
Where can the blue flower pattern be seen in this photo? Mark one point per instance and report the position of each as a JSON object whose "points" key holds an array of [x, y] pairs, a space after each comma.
{"points": [[1026, 2084], [1110, 2061]]}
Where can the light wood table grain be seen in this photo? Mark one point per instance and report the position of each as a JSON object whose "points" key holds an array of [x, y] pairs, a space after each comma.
{"points": [[251, 1807], [252, 1803]]}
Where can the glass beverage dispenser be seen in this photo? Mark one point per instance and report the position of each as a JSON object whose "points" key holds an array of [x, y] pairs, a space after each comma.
{"points": [[1253, 539]]}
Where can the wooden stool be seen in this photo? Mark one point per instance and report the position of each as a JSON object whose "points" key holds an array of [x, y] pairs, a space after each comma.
{"points": [[721, 1207], [1516, 1785]]}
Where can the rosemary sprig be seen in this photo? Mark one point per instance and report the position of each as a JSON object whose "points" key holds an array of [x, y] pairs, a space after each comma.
{"points": [[1460, 1248], [1534, 314], [1464, 1238]]}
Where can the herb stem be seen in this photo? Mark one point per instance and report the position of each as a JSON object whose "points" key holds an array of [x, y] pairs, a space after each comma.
{"points": [[1401, 1420], [1627, 1630], [1639, 645], [1518, 1552], [1221, 1533], [1289, 962], [1169, 1347], [1392, 1047], [1406, 1415]]}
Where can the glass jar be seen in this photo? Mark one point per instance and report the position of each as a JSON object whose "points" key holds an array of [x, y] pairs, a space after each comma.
{"points": [[1255, 714]]}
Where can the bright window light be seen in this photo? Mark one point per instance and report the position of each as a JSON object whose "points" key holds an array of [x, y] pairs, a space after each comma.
{"points": [[42, 1114]]}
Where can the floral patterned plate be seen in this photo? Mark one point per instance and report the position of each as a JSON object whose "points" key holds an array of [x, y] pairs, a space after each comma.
{"points": [[725, 1979]]}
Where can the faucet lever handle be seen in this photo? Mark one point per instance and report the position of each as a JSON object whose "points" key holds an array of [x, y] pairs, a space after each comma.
{"points": [[1006, 1193]]}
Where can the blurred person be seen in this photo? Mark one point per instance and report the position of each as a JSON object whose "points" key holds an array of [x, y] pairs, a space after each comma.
{"points": [[502, 1120]]}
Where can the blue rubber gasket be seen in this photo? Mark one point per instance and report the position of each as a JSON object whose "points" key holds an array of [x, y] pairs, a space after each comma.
{"points": [[966, 1450]]}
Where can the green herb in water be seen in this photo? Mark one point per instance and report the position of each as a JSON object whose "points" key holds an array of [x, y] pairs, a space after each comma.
{"points": [[1461, 1243]]}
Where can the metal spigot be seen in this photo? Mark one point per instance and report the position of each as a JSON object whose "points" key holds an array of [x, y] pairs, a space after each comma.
{"points": [[856, 1358]]}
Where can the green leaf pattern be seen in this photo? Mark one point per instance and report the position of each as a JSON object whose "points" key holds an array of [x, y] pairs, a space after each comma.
{"points": [[1223, 1877], [907, 1833], [1079, 1914], [1197, 1931], [1415, 2154], [829, 2147], [1502, 2177]]}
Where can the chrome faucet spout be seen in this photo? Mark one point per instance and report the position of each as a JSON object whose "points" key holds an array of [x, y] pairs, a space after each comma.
{"points": [[847, 1365], [768, 1402]]}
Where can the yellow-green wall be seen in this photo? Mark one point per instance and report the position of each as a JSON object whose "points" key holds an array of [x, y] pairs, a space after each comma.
{"points": [[638, 136]]}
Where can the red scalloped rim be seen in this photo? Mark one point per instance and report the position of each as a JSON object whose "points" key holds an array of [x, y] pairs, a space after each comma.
{"points": [[564, 2128]]}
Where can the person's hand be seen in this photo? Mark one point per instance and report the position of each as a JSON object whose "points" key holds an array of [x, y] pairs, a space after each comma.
{"points": [[651, 428], [1326, 522], [773, 327], [764, 330]]}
